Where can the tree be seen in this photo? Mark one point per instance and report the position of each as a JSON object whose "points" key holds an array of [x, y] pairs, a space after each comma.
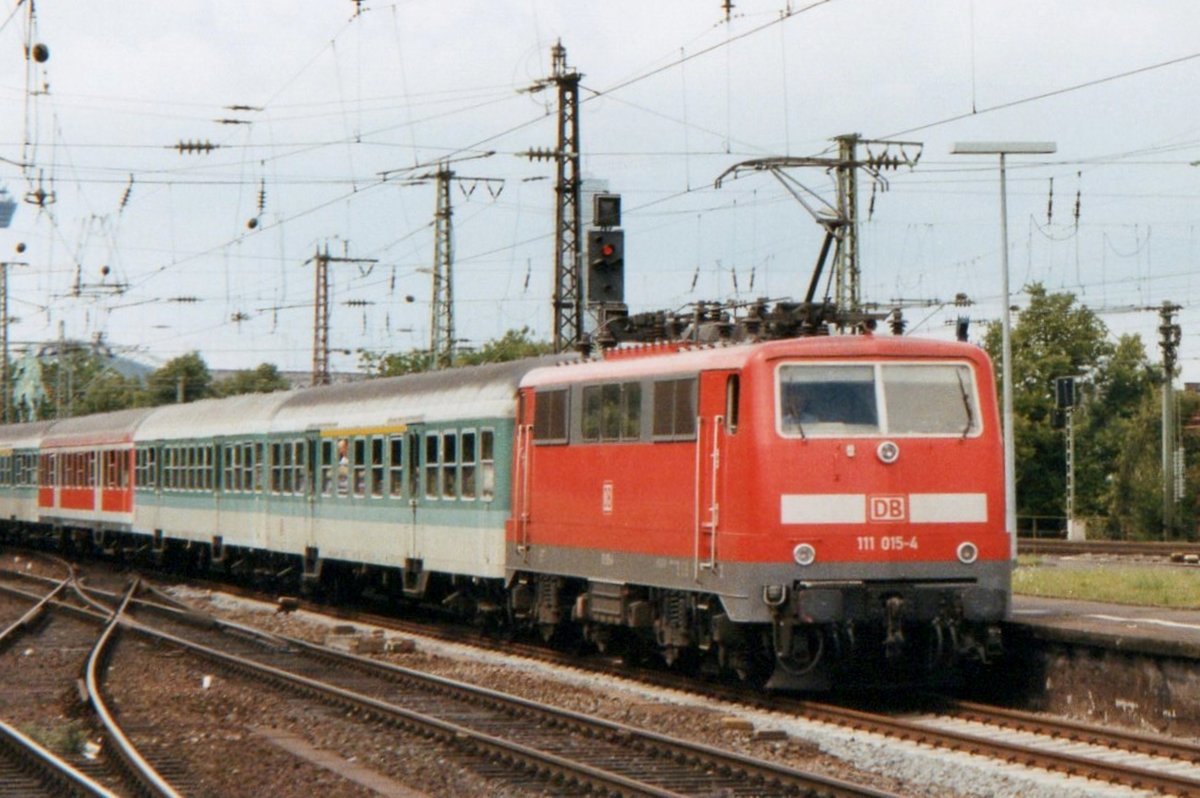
{"points": [[513, 345], [186, 377], [263, 379], [1109, 429], [394, 364], [79, 378], [1052, 337], [108, 391]]}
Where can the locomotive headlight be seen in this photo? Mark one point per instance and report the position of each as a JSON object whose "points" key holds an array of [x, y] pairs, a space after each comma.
{"points": [[804, 554], [968, 552], [888, 452]]}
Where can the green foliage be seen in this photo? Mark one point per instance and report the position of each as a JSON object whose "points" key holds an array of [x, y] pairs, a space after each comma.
{"points": [[394, 364], [1053, 337], [109, 391], [80, 380], [513, 345], [187, 375], [263, 379]]}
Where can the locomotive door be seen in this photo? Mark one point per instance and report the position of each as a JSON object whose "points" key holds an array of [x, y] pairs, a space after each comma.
{"points": [[711, 435]]}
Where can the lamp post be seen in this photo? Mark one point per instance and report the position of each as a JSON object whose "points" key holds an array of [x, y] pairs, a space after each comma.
{"points": [[1004, 148]]}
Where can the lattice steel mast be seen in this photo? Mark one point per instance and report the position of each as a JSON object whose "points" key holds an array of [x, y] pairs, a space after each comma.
{"points": [[568, 295]]}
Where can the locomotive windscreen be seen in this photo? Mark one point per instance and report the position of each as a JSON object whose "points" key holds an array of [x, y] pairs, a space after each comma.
{"points": [[877, 399]]}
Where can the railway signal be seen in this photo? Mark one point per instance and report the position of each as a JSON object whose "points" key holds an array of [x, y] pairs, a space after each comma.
{"points": [[606, 266]]}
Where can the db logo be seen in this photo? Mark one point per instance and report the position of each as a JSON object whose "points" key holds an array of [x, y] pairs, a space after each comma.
{"points": [[887, 508]]}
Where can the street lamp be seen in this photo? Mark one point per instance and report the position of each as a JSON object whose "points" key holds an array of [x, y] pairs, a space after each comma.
{"points": [[1004, 148]]}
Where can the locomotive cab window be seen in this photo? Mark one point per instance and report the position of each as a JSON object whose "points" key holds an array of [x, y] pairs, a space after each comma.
{"points": [[815, 400]]}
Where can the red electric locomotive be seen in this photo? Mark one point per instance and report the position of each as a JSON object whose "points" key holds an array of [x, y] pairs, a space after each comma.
{"points": [[820, 510]]}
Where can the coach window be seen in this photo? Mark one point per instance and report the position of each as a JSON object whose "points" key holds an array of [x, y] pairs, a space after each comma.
{"points": [[467, 457], [396, 466], [276, 479], [300, 464], [327, 466], [675, 409], [432, 459], [449, 465], [550, 416], [360, 467], [377, 465], [487, 464], [257, 465]]}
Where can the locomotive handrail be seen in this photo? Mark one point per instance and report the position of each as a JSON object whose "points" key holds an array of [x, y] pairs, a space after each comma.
{"points": [[696, 498], [524, 437], [700, 526]]}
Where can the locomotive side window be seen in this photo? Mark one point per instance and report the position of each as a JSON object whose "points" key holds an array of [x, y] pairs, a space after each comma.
{"points": [[675, 409], [930, 399], [550, 416], [612, 412], [732, 391]]}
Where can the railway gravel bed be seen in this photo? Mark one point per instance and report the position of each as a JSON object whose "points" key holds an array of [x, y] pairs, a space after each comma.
{"points": [[515, 733], [906, 767]]}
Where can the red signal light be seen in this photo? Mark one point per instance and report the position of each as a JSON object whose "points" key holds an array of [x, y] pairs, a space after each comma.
{"points": [[607, 250]]}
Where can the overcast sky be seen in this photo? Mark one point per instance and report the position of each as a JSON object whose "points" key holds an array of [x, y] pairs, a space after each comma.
{"points": [[153, 247]]}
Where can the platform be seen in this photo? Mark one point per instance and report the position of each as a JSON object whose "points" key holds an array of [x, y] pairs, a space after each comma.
{"points": [[1150, 630]]}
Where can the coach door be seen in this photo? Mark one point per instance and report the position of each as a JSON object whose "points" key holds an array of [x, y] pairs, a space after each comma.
{"points": [[414, 444], [522, 472], [711, 434]]}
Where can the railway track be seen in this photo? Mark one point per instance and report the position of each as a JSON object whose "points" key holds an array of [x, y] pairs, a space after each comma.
{"points": [[536, 745], [1177, 550], [549, 745], [26, 766], [1105, 754], [1140, 761]]}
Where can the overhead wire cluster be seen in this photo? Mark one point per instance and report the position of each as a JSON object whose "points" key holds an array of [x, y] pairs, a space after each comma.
{"points": [[244, 152]]}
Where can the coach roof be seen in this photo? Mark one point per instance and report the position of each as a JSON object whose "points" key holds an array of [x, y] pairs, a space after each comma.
{"points": [[487, 391]]}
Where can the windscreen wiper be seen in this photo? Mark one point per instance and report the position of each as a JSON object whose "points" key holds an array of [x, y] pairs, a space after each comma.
{"points": [[962, 389]]}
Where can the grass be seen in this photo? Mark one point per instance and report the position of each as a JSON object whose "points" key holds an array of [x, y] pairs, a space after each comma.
{"points": [[1156, 586], [66, 739]]}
